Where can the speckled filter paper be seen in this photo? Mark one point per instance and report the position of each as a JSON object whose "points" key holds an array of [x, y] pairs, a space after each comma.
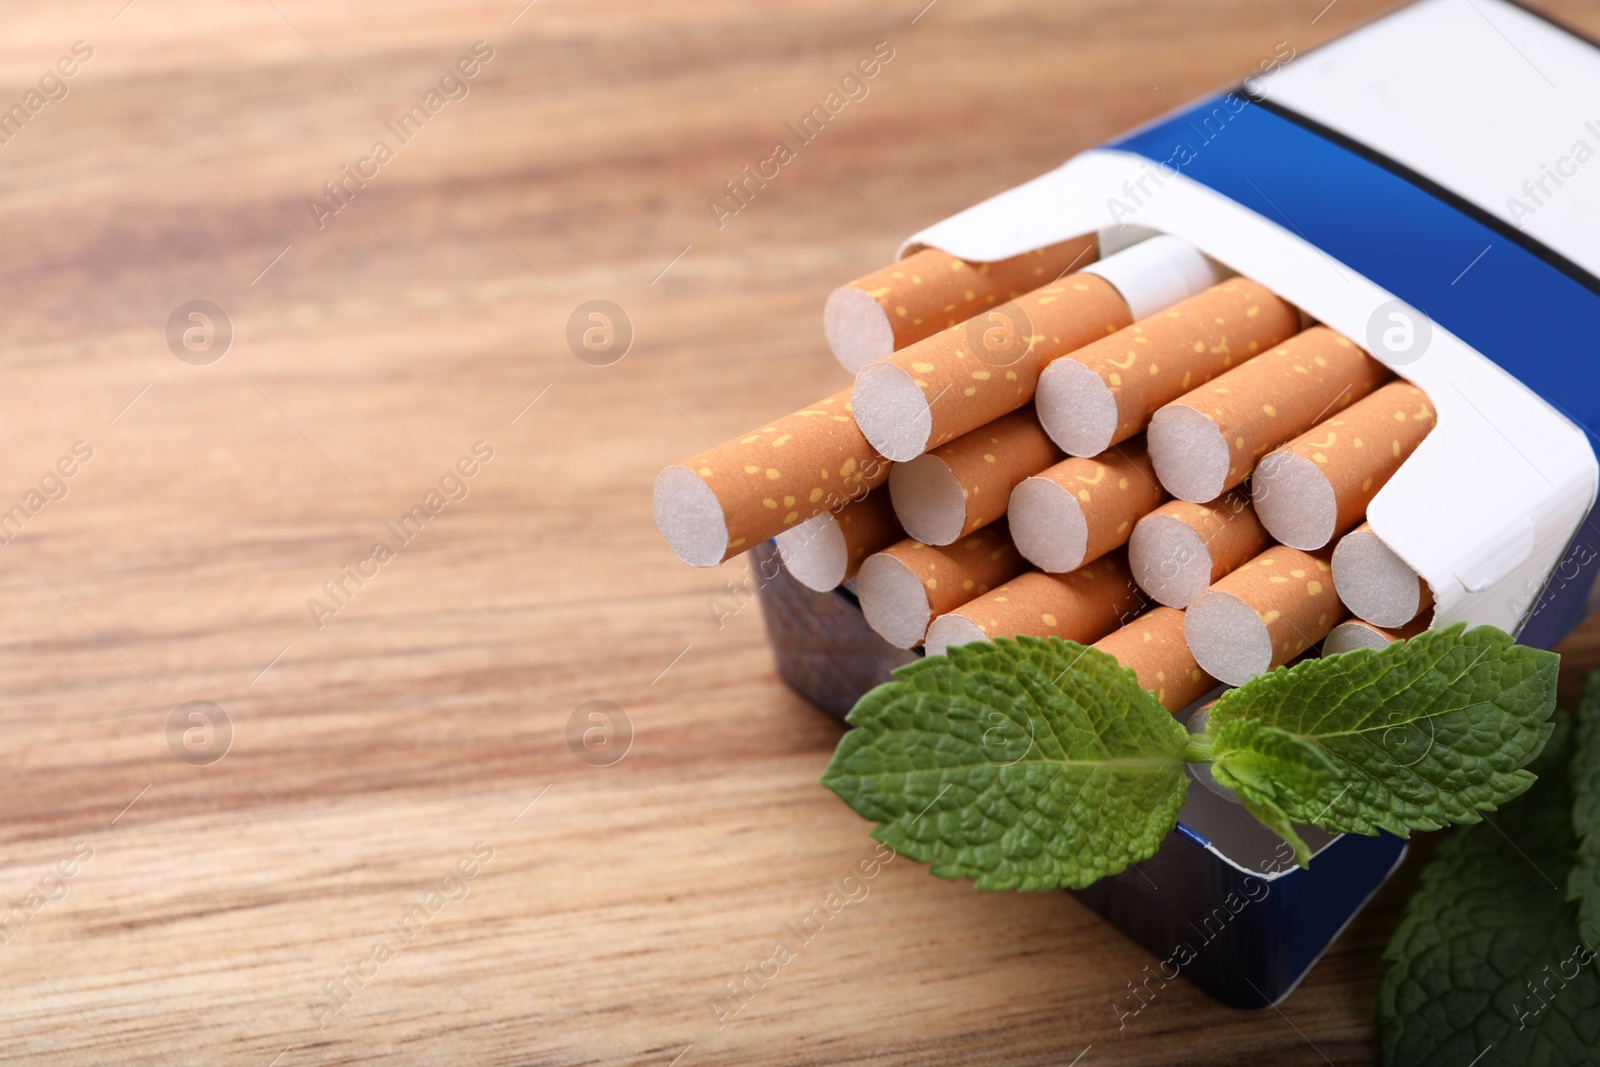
{"points": [[1158, 359], [1083, 605], [1292, 593], [1152, 646], [867, 526], [989, 462], [1357, 633], [1280, 394], [951, 575], [965, 390], [1226, 531], [929, 290], [1113, 491], [1359, 450], [768, 480]]}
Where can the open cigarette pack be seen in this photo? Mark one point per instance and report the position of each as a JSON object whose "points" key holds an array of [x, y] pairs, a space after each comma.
{"points": [[1308, 365]]}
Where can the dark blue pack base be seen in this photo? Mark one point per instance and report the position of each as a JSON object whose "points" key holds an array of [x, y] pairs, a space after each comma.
{"points": [[1220, 903]]}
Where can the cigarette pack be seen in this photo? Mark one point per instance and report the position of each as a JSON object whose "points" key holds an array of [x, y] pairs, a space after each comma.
{"points": [[1426, 185]]}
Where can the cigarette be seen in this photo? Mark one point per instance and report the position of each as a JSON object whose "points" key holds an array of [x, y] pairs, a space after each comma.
{"points": [[959, 379], [1375, 584], [1080, 509], [1180, 549], [1106, 391], [929, 291], [961, 486], [717, 504], [1153, 647], [1354, 633], [903, 587], [1081, 606], [828, 550], [1208, 440], [1263, 615], [1319, 485]]}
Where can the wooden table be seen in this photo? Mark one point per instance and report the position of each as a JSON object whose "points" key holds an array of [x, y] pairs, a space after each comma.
{"points": [[174, 907]]}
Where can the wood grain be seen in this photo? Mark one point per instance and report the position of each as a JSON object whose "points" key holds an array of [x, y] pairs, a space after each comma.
{"points": [[370, 755]]}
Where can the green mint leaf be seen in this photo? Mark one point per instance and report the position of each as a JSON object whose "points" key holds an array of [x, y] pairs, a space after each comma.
{"points": [[1490, 953], [1030, 764], [1251, 754], [1267, 767], [1583, 885], [1423, 733]]}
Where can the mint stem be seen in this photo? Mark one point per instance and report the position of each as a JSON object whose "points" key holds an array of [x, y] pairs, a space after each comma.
{"points": [[1198, 750]]}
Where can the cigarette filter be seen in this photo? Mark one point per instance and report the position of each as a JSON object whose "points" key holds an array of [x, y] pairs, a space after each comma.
{"points": [[963, 377], [1320, 484], [1080, 509], [717, 504], [827, 549], [1153, 647], [1208, 440], [905, 585], [929, 291], [1354, 633], [1263, 615], [1082, 606], [1374, 583], [1108, 389], [1180, 549], [965, 484]]}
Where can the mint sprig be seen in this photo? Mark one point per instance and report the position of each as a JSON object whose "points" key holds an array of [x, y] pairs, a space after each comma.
{"points": [[1583, 883], [1271, 769], [1038, 763], [1026, 764], [1422, 734], [1491, 959]]}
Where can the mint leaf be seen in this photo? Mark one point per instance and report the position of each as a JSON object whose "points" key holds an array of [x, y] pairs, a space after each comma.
{"points": [[1489, 963], [1031, 764], [1268, 767], [1583, 885], [1423, 733]]}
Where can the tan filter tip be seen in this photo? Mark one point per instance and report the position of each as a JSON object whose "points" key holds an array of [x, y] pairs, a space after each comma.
{"points": [[1295, 499], [1191, 453], [1170, 559], [857, 328], [1049, 525], [1353, 634], [894, 601], [1180, 548], [1263, 615], [948, 631], [892, 411], [690, 517], [1081, 606], [1228, 637], [929, 499], [1319, 484], [828, 549], [1077, 408], [1375, 584], [814, 552], [903, 586]]}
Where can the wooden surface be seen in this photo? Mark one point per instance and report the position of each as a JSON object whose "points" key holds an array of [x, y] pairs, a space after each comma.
{"points": [[369, 756]]}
